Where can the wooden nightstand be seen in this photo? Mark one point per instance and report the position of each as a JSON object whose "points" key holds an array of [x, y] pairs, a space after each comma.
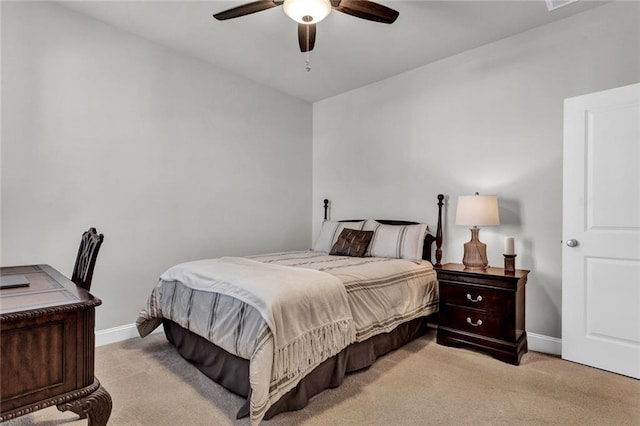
{"points": [[483, 310]]}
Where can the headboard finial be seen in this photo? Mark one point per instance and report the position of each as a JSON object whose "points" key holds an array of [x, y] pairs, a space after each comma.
{"points": [[326, 207]]}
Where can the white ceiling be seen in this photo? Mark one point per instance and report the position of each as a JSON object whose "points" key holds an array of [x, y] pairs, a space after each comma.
{"points": [[349, 52]]}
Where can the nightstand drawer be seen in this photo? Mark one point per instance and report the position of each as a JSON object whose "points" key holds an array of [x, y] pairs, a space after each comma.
{"points": [[484, 323], [476, 297]]}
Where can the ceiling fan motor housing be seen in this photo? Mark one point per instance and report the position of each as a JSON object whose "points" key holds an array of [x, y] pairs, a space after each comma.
{"points": [[307, 11]]}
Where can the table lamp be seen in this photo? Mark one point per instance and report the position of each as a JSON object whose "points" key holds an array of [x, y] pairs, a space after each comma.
{"points": [[476, 210]]}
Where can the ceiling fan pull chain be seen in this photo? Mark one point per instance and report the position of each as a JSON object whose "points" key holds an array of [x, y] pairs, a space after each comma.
{"points": [[307, 63]]}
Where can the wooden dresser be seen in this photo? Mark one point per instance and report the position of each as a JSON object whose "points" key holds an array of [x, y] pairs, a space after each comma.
{"points": [[47, 347], [484, 310]]}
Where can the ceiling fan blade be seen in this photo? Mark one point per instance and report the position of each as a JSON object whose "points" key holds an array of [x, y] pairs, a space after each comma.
{"points": [[246, 9], [368, 10], [306, 37]]}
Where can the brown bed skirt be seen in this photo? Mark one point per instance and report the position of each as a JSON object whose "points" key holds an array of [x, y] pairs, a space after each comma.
{"points": [[232, 372]]}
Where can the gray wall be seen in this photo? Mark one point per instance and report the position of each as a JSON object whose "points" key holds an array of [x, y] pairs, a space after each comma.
{"points": [[171, 158], [487, 120], [176, 160]]}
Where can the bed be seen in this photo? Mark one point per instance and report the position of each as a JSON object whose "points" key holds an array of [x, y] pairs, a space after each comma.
{"points": [[279, 328]]}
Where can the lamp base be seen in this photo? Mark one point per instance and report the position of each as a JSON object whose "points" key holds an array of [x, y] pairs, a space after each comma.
{"points": [[475, 252]]}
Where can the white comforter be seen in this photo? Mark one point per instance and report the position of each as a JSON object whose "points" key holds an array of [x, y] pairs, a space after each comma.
{"points": [[306, 310], [382, 292]]}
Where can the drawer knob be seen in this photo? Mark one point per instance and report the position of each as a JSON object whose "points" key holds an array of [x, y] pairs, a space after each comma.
{"points": [[472, 323], [479, 299]]}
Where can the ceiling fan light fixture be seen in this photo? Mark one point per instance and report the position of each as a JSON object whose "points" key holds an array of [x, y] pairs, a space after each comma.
{"points": [[307, 11]]}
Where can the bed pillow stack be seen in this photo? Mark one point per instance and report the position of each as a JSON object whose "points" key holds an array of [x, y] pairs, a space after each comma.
{"points": [[372, 238], [396, 241]]}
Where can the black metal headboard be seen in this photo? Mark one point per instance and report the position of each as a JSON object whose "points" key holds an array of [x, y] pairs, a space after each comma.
{"points": [[429, 239]]}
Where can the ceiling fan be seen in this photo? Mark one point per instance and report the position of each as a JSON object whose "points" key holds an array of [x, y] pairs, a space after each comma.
{"points": [[309, 12]]}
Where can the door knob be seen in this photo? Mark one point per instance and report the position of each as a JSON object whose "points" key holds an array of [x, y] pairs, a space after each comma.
{"points": [[572, 243]]}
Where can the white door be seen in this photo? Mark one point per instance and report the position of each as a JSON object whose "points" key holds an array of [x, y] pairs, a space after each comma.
{"points": [[601, 230]]}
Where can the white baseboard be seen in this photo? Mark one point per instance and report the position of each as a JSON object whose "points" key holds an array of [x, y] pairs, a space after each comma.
{"points": [[536, 342], [118, 334], [545, 344]]}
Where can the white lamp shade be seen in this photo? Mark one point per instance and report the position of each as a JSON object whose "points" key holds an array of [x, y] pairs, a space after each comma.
{"points": [[297, 10], [477, 210]]}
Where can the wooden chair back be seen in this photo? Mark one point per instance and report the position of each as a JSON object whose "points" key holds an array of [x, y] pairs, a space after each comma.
{"points": [[86, 258]]}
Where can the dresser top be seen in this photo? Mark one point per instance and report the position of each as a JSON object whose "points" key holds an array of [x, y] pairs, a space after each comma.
{"points": [[47, 291], [459, 268]]}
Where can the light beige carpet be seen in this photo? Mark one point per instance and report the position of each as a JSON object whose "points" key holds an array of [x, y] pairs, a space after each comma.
{"points": [[422, 383]]}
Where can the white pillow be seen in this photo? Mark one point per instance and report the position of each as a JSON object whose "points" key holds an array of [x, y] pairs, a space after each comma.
{"points": [[396, 241], [330, 232]]}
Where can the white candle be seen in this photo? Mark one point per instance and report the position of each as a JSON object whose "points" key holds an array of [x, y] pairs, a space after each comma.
{"points": [[509, 245]]}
